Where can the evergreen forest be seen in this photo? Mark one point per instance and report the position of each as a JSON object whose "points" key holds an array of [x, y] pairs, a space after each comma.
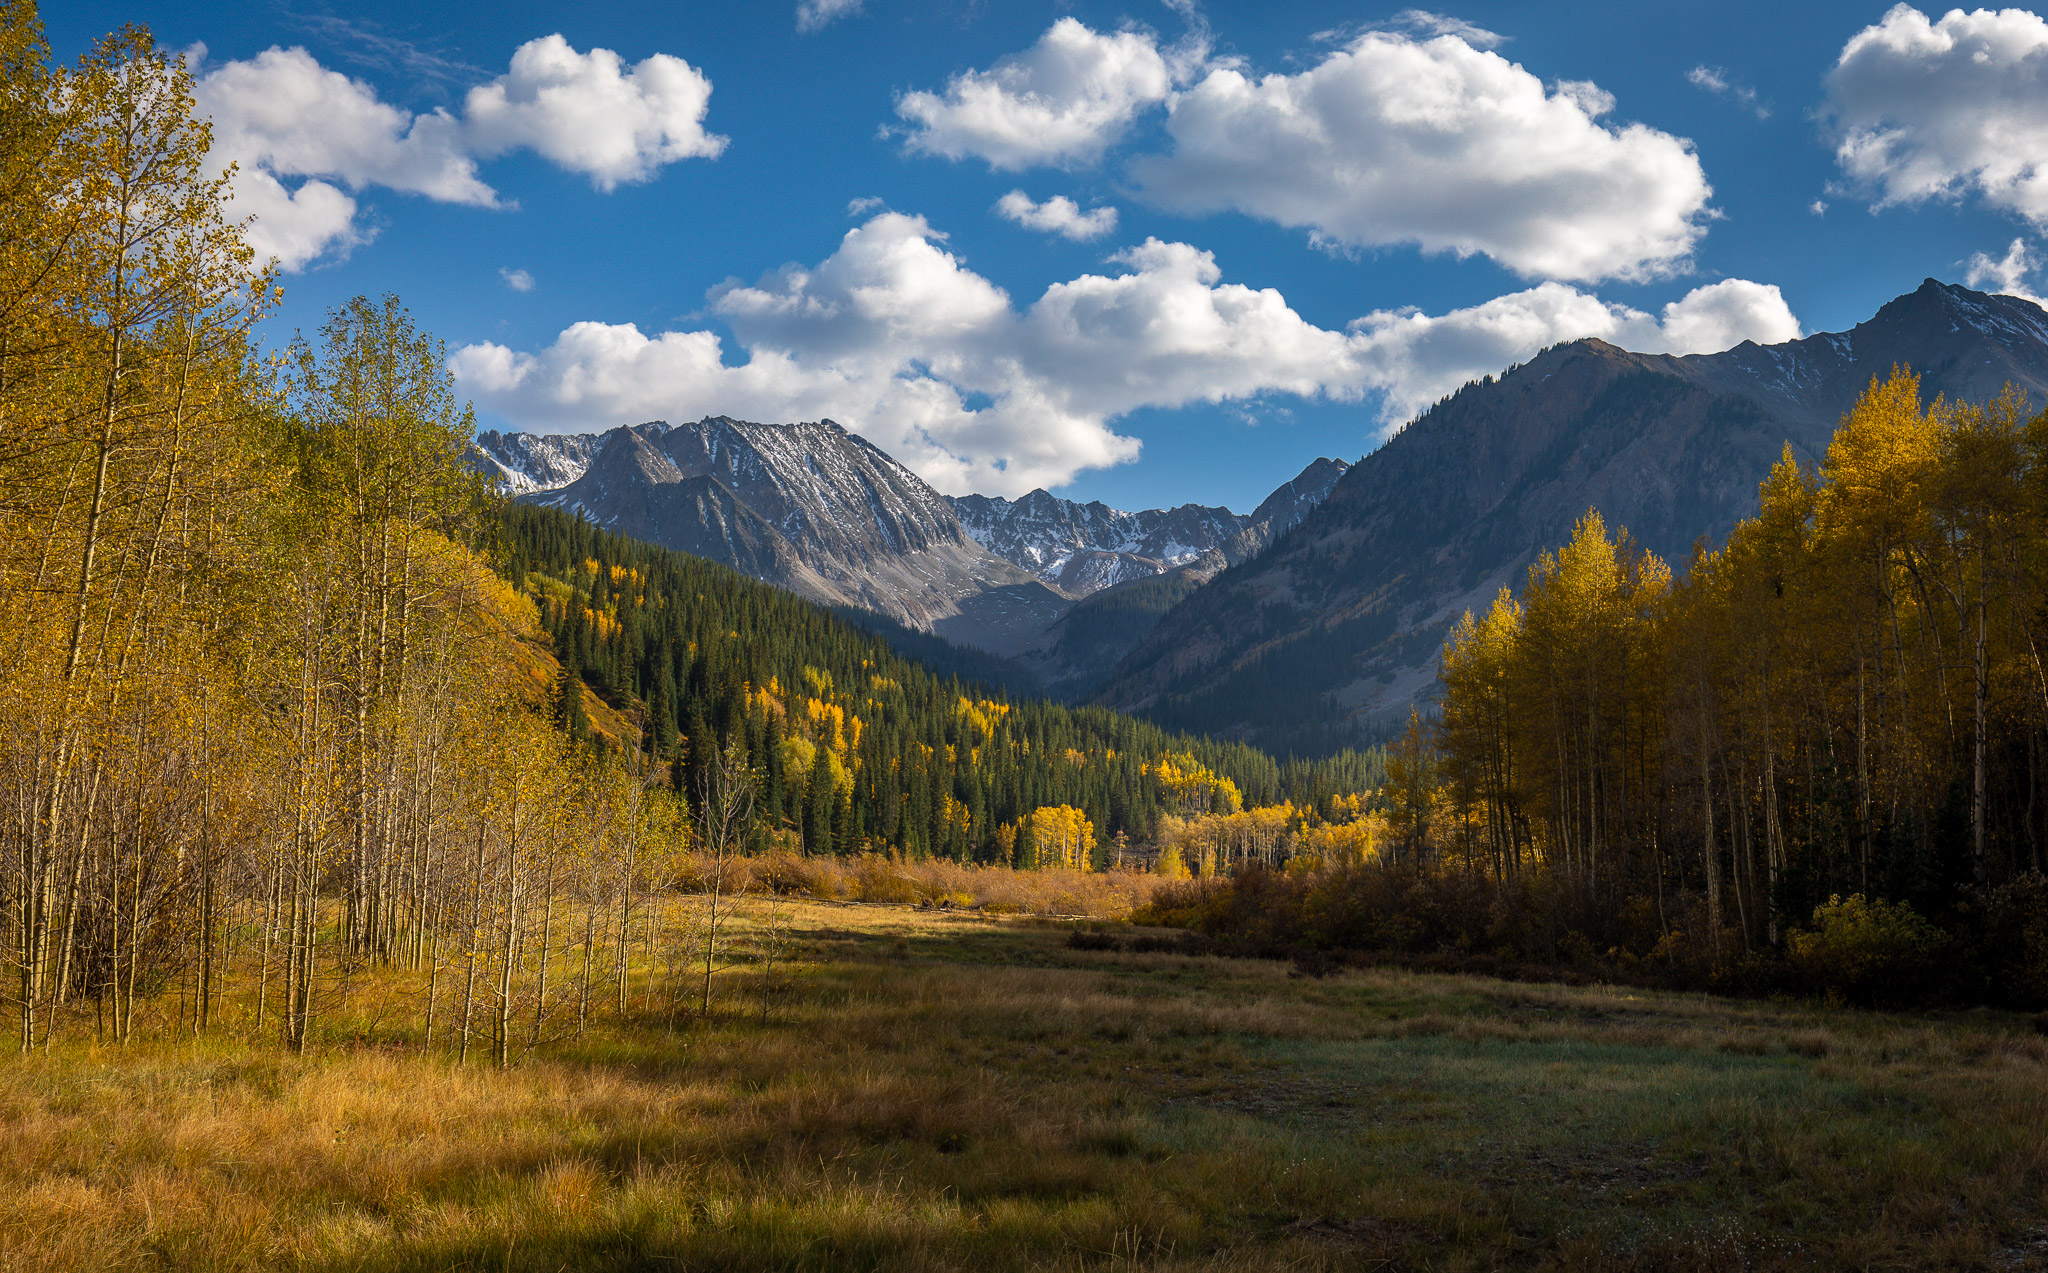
{"points": [[859, 748]]}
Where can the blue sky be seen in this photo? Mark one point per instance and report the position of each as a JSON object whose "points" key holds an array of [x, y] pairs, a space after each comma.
{"points": [[1150, 374]]}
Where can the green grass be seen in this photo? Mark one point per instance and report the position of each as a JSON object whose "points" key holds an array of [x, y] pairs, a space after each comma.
{"points": [[934, 1091]]}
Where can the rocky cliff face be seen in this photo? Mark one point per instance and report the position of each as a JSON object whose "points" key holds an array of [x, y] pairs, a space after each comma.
{"points": [[1086, 548], [527, 462], [808, 506], [1083, 644], [1329, 637]]}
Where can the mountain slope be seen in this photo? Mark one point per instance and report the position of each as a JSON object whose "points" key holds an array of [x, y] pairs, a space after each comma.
{"points": [[915, 760], [1086, 548], [1332, 633], [826, 514], [528, 462], [808, 506], [1128, 569]]}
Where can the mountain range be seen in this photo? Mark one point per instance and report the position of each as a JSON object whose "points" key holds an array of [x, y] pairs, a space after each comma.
{"points": [[1314, 621], [825, 513], [1085, 548], [1332, 633]]}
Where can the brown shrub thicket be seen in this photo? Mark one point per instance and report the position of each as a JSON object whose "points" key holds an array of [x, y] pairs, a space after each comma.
{"points": [[939, 882]]}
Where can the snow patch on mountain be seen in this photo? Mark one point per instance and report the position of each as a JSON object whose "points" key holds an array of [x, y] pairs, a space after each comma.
{"points": [[1084, 548]]}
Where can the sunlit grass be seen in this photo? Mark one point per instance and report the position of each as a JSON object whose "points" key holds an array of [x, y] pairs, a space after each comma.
{"points": [[937, 1091]]}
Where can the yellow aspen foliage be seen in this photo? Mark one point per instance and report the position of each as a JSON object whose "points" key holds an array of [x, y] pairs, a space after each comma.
{"points": [[1061, 837], [1340, 845], [1193, 787], [1170, 864]]}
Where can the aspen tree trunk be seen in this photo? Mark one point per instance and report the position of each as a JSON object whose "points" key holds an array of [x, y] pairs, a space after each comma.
{"points": [[433, 957], [290, 951], [134, 944], [269, 936], [36, 934], [1739, 839], [583, 992], [547, 925], [74, 897], [1863, 766], [476, 928], [1774, 835], [653, 912], [306, 947], [626, 915], [711, 933], [113, 935], [509, 952]]}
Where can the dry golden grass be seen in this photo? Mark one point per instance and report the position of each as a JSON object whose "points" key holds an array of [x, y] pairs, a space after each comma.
{"points": [[937, 1090], [940, 882]]}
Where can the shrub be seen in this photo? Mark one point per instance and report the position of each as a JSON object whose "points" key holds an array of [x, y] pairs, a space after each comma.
{"points": [[894, 879], [1867, 951]]}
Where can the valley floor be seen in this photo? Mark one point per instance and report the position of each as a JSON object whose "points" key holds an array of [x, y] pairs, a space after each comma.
{"points": [[946, 1091]]}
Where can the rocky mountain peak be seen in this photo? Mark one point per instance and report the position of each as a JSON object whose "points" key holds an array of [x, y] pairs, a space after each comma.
{"points": [[806, 505], [1085, 548], [1293, 499]]}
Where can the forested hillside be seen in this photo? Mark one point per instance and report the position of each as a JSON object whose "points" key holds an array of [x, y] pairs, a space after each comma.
{"points": [[1846, 698], [1331, 634], [857, 746], [1814, 758]]}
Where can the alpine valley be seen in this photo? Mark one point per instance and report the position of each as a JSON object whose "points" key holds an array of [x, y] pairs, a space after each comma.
{"points": [[1315, 621], [826, 514]]}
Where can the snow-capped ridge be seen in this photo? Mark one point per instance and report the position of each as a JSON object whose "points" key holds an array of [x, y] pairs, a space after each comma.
{"points": [[1084, 548]]}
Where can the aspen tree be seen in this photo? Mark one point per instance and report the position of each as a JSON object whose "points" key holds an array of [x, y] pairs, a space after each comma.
{"points": [[384, 441], [725, 819]]}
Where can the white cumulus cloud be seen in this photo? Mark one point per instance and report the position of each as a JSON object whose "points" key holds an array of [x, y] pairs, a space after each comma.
{"points": [[306, 140], [281, 116], [590, 113], [1064, 100], [517, 280], [2006, 274], [1930, 109], [893, 336], [1413, 359], [1057, 215], [1442, 145]]}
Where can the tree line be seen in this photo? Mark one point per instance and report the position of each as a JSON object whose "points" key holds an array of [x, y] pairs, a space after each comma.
{"points": [[1822, 743], [273, 721]]}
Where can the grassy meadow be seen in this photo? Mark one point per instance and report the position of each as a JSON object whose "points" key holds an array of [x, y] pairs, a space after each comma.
{"points": [[918, 1089]]}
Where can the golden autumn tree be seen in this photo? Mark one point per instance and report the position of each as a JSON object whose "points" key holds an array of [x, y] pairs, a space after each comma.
{"points": [[126, 389]]}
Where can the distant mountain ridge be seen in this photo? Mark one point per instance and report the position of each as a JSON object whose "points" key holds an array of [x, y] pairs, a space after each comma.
{"points": [[1085, 548], [1328, 637], [808, 506], [826, 514]]}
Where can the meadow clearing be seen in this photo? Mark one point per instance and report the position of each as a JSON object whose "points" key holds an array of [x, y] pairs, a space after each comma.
{"points": [[917, 1089]]}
